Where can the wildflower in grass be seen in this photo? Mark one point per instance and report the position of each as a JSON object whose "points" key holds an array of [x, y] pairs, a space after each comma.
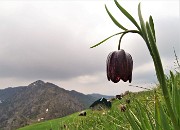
{"points": [[120, 63], [119, 66], [123, 108], [103, 113]]}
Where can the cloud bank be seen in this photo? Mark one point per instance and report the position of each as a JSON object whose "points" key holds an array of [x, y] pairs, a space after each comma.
{"points": [[50, 40]]}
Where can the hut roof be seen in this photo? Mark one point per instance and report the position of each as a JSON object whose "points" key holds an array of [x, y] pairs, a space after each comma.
{"points": [[102, 101]]}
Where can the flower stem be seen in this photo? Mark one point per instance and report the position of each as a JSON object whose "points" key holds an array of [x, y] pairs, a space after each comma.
{"points": [[163, 85], [125, 32], [160, 73]]}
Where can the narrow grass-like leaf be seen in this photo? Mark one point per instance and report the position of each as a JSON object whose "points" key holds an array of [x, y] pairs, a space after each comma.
{"points": [[151, 119], [164, 122], [143, 29], [175, 96], [160, 75], [173, 92], [114, 20], [136, 120], [140, 115], [153, 46], [127, 15], [127, 31], [157, 114], [143, 117], [105, 39], [172, 76], [151, 23], [135, 124]]}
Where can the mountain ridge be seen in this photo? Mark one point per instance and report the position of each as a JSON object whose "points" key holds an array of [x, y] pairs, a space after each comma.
{"points": [[25, 105]]}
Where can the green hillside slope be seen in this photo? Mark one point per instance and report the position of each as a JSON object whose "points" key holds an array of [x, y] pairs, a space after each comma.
{"points": [[106, 119]]}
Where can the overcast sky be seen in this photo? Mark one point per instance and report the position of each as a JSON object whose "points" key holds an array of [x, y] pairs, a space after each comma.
{"points": [[50, 41]]}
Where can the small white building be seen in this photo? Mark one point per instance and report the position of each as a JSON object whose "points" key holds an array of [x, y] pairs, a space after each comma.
{"points": [[47, 110]]}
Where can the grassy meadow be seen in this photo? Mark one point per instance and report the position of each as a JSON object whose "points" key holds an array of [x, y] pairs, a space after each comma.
{"points": [[146, 110], [107, 119]]}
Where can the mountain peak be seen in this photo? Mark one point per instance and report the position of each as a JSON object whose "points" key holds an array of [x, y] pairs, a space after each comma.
{"points": [[37, 83]]}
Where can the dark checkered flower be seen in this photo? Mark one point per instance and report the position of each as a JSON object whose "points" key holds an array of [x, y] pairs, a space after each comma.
{"points": [[119, 66]]}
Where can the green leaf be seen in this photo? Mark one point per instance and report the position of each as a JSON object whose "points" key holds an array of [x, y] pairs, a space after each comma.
{"points": [[114, 20], [143, 29], [105, 39], [143, 116], [150, 115], [175, 95], [157, 114], [163, 122], [151, 23], [146, 38], [142, 22], [172, 76], [134, 122], [127, 15], [127, 31], [153, 46]]}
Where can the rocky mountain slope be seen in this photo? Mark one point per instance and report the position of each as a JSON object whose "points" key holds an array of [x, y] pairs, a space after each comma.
{"points": [[38, 101]]}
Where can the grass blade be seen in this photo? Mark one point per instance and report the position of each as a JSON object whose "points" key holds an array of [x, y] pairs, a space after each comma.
{"points": [[127, 15], [143, 29], [135, 124], [151, 23], [143, 117], [114, 20], [127, 31], [151, 120], [175, 95], [157, 114], [153, 46], [164, 122], [105, 39]]}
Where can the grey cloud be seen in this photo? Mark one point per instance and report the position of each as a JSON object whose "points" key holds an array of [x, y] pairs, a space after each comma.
{"points": [[36, 46], [146, 77], [168, 36], [47, 41]]}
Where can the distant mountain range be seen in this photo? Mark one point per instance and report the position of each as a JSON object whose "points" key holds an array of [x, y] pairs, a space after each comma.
{"points": [[97, 96], [20, 106]]}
